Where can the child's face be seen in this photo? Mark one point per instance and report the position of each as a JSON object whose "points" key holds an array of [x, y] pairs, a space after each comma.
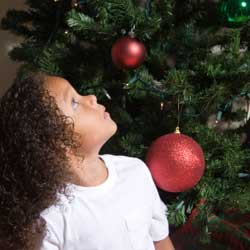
{"points": [[87, 114]]}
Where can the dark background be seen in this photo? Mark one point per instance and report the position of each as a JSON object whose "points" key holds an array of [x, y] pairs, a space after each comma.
{"points": [[8, 68]]}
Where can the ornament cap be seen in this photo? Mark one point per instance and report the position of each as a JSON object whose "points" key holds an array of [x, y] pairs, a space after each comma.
{"points": [[177, 130]]}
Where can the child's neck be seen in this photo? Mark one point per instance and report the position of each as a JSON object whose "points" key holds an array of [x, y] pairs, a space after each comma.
{"points": [[90, 174]]}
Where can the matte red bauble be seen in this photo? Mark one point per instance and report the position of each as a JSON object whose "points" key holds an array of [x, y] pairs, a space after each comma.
{"points": [[176, 162], [128, 53]]}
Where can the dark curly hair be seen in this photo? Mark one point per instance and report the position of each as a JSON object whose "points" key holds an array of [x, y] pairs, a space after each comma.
{"points": [[35, 137]]}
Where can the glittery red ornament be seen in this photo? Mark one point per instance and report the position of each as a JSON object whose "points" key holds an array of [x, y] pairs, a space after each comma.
{"points": [[176, 162], [128, 53]]}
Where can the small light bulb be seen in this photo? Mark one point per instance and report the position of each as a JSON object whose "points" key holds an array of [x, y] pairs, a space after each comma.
{"points": [[66, 32], [107, 94], [243, 4], [127, 86], [162, 105]]}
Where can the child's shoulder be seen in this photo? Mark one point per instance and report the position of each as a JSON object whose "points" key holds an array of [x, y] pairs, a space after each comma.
{"points": [[56, 210], [54, 217]]}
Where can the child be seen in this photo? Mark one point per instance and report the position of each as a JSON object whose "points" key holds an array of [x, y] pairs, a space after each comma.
{"points": [[57, 191]]}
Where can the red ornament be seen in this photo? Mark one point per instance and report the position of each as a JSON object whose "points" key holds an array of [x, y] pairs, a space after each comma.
{"points": [[176, 162], [128, 53]]}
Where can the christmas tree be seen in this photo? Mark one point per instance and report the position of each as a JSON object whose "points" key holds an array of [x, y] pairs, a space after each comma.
{"points": [[155, 66]]}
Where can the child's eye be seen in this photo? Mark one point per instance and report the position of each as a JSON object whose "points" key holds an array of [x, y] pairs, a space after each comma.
{"points": [[73, 101]]}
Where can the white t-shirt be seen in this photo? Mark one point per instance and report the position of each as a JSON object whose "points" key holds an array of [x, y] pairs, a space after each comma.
{"points": [[125, 212]]}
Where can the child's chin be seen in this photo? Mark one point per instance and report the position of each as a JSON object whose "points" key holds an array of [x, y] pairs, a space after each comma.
{"points": [[113, 129]]}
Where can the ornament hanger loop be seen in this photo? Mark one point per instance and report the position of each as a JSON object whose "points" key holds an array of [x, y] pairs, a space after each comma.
{"points": [[177, 129], [178, 122], [132, 32]]}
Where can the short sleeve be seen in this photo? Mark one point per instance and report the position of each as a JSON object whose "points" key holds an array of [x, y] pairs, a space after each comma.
{"points": [[50, 241], [159, 228]]}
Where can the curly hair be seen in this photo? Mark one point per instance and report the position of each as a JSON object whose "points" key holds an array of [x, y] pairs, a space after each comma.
{"points": [[34, 138]]}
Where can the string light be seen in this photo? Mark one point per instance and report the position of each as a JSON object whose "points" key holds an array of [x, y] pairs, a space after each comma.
{"points": [[162, 105], [127, 86], [107, 94], [243, 4]]}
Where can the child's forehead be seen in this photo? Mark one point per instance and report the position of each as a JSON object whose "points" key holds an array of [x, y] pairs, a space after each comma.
{"points": [[58, 88], [55, 84]]}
